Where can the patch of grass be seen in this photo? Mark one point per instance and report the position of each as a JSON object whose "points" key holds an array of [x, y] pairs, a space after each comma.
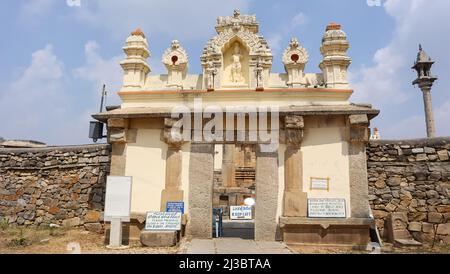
{"points": [[19, 241], [4, 223]]}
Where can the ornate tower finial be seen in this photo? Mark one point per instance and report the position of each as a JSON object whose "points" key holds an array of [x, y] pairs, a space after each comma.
{"points": [[138, 32], [420, 47], [236, 13]]}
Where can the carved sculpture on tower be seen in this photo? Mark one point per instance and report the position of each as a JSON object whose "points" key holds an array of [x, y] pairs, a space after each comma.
{"points": [[295, 58], [135, 65], [235, 52], [335, 60], [176, 61]]}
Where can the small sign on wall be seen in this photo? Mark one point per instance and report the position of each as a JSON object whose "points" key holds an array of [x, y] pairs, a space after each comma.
{"points": [[326, 208], [175, 207], [163, 221], [240, 212], [319, 184]]}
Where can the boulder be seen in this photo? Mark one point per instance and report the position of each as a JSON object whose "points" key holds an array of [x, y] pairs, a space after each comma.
{"points": [[158, 238]]}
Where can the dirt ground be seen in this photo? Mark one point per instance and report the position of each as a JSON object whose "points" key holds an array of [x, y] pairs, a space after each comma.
{"points": [[386, 249], [65, 241]]}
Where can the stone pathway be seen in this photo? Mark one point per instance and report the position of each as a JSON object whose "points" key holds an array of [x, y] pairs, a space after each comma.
{"points": [[235, 246]]}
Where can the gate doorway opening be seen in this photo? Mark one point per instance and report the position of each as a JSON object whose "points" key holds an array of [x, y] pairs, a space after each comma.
{"points": [[234, 191]]}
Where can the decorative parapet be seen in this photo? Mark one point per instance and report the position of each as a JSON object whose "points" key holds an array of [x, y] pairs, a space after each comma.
{"points": [[135, 65], [335, 60], [294, 59], [176, 61]]}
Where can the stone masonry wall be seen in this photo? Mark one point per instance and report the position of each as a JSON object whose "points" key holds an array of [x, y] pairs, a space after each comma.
{"points": [[412, 177], [61, 185]]}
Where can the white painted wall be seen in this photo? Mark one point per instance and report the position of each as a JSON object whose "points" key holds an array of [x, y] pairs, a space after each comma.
{"points": [[325, 154], [146, 162]]}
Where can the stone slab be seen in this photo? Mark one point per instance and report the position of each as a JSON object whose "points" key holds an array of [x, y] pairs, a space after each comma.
{"points": [[201, 176], [267, 193], [406, 243], [158, 238]]}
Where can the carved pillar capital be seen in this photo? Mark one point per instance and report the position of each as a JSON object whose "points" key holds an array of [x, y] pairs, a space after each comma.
{"points": [[171, 133], [117, 130], [359, 128], [294, 125]]}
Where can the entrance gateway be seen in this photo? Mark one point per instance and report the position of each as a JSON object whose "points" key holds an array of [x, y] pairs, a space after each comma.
{"points": [[303, 139]]}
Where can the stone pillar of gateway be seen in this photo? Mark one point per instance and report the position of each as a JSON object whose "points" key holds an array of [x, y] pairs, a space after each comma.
{"points": [[311, 183]]}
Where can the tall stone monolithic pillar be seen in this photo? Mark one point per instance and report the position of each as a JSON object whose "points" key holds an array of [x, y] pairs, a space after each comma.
{"points": [[359, 189], [295, 200], [429, 116]]}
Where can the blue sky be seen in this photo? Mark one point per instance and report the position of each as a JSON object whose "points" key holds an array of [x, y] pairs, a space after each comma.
{"points": [[54, 57]]}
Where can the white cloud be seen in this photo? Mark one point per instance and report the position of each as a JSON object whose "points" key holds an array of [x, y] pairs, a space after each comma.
{"points": [[387, 84], [184, 20], [299, 19], [38, 105], [99, 71], [30, 9]]}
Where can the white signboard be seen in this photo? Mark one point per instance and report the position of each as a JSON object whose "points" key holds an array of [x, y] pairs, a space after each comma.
{"points": [[163, 221], [240, 212], [326, 208], [320, 183], [118, 198]]}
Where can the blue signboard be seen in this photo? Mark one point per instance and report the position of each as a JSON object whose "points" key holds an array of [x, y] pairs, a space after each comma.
{"points": [[175, 207]]}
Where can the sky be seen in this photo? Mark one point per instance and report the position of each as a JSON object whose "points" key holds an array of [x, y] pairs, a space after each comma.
{"points": [[55, 55]]}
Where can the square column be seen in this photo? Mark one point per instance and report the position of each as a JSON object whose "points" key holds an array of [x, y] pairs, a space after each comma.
{"points": [[266, 195], [201, 172], [295, 200], [359, 188]]}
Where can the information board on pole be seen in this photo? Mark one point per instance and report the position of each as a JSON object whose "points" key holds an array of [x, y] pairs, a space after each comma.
{"points": [[118, 198]]}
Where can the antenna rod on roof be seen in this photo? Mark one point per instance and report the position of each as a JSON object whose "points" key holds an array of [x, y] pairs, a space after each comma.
{"points": [[104, 94]]}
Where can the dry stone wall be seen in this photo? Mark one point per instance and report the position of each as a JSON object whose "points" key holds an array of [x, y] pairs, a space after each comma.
{"points": [[61, 185], [412, 177]]}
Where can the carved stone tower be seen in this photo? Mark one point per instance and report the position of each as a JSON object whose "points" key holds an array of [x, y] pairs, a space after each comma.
{"points": [[425, 81]]}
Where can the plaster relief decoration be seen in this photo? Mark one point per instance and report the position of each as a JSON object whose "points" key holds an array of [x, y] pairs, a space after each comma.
{"points": [[135, 65], [294, 59], [235, 53], [335, 60], [176, 61]]}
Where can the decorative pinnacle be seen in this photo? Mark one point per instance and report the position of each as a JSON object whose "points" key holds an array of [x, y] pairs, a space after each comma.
{"points": [[333, 26], [236, 13], [138, 32]]}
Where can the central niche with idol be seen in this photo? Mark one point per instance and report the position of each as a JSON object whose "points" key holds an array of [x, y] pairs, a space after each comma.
{"points": [[236, 65], [237, 57]]}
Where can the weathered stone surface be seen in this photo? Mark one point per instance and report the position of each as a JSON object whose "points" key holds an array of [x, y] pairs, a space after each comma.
{"points": [[158, 238], [434, 217], [71, 222], [266, 191], [415, 175], [92, 216], [415, 226], [94, 227], [444, 229], [201, 176], [33, 193]]}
